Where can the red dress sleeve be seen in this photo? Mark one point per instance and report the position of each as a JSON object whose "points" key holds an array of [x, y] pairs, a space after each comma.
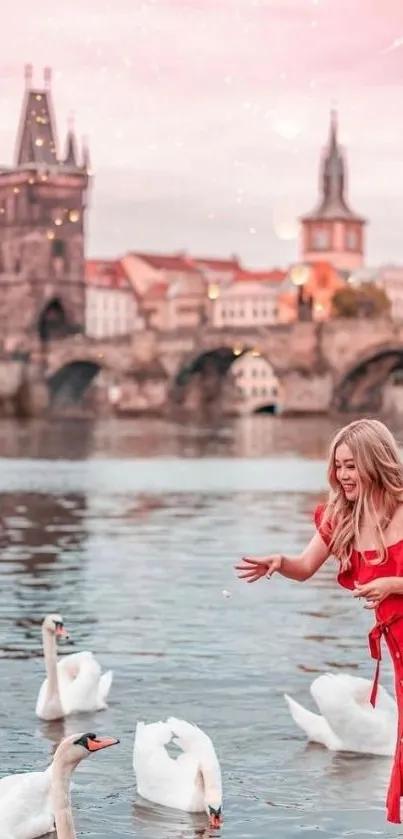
{"points": [[325, 529]]}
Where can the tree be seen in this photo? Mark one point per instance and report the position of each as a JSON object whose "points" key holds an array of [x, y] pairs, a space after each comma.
{"points": [[362, 301]]}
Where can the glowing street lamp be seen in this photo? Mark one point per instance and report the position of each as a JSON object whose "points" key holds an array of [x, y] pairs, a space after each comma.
{"points": [[213, 292]]}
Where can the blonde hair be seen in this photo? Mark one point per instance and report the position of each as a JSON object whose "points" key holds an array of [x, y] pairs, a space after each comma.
{"points": [[380, 475]]}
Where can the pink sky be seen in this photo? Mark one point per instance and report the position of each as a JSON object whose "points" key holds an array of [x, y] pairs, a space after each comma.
{"points": [[206, 117]]}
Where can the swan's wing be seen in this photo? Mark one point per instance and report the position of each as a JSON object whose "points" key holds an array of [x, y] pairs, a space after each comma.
{"points": [[149, 746], [361, 689], [195, 742], [25, 805], [316, 728], [360, 727], [190, 737], [69, 666], [161, 779], [79, 692]]}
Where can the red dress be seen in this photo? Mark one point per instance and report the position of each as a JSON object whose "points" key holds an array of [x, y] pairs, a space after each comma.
{"points": [[389, 625]]}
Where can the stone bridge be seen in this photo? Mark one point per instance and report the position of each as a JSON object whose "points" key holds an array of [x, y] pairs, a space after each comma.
{"points": [[341, 366]]}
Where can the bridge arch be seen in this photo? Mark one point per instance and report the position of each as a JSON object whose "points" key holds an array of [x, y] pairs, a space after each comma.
{"points": [[70, 383], [256, 389], [360, 387]]}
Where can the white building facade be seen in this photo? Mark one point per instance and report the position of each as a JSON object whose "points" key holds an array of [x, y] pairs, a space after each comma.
{"points": [[246, 302], [256, 382], [111, 307]]}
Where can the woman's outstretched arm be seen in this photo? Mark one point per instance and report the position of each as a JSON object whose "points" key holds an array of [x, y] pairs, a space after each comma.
{"points": [[298, 568]]}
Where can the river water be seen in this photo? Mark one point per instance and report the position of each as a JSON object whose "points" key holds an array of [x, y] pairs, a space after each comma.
{"points": [[131, 530]]}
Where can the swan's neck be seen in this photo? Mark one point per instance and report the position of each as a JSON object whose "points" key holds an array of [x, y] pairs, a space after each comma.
{"points": [[61, 774], [211, 774], [50, 654]]}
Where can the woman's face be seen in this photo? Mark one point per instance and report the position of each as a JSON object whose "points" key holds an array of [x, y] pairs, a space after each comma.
{"points": [[346, 472]]}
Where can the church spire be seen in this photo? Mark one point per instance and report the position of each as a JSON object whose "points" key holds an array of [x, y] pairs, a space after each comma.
{"points": [[333, 171], [36, 141], [332, 232], [332, 205], [333, 143], [71, 157]]}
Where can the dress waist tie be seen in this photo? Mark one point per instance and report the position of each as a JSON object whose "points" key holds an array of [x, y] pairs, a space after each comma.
{"points": [[395, 790]]}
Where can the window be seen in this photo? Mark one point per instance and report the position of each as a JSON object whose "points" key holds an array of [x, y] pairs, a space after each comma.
{"points": [[320, 239], [351, 240]]}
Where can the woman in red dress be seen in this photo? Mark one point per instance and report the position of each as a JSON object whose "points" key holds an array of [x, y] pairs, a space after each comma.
{"points": [[362, 526]]}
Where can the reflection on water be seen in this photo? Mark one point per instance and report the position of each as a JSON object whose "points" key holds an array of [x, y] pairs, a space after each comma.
{"points": [[256, 436], [136, 560], [151, 820]]}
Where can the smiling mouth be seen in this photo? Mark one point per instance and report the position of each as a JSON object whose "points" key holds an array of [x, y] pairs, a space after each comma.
{"points": [[348, 487]]}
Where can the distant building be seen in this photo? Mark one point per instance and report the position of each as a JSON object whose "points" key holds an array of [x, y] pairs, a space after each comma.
{"points": [[111, 309], [251, 299], [146, 269], [332, 232], [43, 198], [256, 382], [171, 287], [218, 272]]}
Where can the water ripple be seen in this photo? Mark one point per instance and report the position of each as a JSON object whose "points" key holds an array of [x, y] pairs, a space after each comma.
{"points": [[136, 558]]}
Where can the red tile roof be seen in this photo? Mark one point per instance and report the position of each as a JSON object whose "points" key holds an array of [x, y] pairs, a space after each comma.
{"points": [[274, 276], [218, 264], [169, 262], [107, 273]]}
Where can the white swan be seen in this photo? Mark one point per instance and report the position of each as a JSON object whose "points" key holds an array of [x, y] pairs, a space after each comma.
{"points": [[191, 781], [72, 685], [347, 722], [32, 803]]}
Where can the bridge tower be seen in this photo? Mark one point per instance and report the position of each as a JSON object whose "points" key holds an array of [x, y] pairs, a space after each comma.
{"points": [[42, 227], [332, 232]]}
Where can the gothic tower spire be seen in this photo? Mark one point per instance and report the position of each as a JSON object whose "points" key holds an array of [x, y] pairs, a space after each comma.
{"points": [[36, 141], [333, 231], [71, 157], [43, 205]]}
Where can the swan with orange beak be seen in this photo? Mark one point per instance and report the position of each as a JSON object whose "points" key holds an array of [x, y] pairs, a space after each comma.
{"points": [[32, 804]]}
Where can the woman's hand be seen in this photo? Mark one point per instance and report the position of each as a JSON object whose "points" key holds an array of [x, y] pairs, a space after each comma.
{"points": [[252, 568], [376, 591]]}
